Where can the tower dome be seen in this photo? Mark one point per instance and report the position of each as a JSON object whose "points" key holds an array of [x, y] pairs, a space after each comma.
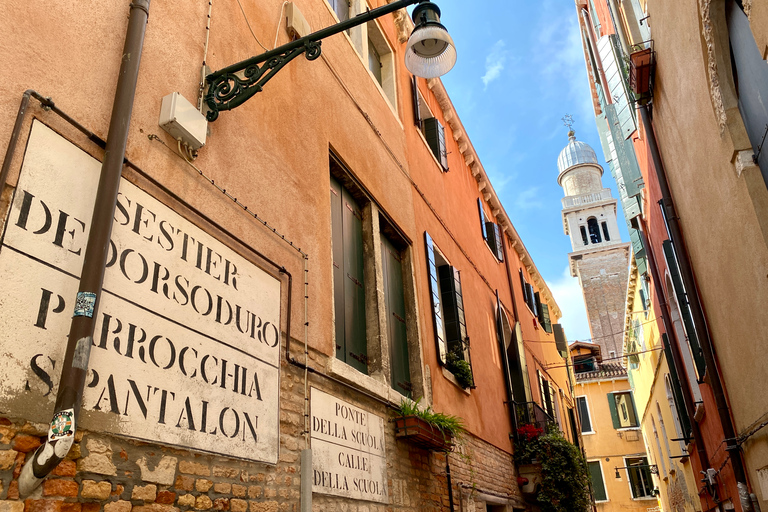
{"points": [[575, 153]]}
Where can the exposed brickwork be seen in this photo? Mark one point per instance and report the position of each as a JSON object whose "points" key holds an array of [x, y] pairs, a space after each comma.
{"points": [[110, 474], [604, 276]]}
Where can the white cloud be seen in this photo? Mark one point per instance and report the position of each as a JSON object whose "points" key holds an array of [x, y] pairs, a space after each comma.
{"points": [[494, 63], [529, 199], [569, 297]]}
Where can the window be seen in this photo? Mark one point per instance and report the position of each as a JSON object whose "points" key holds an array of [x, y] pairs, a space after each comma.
{"points": [[605, 232], [547, 392], [640, 482], [348, 279], [683, 308], [447, 310], [598, 483], [397, 333], [750, 76], [528, 294], [371, 302], [543, 313], [341, 8], [374, 62], [491, 233], [594, 231], [622, 408], [381, 61], [433, 131], [583, 410], [584, 235]]}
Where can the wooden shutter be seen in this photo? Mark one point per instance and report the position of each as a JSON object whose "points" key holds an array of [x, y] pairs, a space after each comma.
{"points": [[483, 220], [494, 240], [337, 243], [354, 287], [434, 292], [537, 301], [677, 389], [522, 286], [397, 333], [598, 486], [531, 299], [416, 107], [560, 341], [435, 135], [685, 310], [583, 408], [453, 309], [545, 321], [614, 411], [752, 81]]}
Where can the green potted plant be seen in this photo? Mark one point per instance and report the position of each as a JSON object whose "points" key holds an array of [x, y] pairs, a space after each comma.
{"points": [[427, 429], [460, 369], [554, 470]]}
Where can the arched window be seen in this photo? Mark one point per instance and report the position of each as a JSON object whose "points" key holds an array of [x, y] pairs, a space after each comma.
{"points": [[750, 76], [594, 231], [584, 235]]}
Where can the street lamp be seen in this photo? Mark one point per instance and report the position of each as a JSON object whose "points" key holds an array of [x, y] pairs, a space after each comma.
{"points": [[430, 53]]}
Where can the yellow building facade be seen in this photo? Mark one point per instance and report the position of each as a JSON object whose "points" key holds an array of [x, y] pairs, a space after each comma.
{"points": [[611, 431], [658, 408]]}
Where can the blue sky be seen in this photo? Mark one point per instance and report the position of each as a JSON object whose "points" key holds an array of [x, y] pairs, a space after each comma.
{"points": [[520, 70]]}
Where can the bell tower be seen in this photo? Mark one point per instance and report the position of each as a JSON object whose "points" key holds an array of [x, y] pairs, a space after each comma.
{"points": [[599, 259]]}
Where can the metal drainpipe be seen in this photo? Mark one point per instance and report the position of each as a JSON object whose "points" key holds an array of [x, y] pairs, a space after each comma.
{"points": [[697, 311], [61, 433], [677, 357]]}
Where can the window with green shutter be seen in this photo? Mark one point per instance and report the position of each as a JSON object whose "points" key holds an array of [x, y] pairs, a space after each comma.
{"points": [[397, 334], [349, 286], [677, 390], [598, 485], [623, 412], [435, 135], [448, 314], [583, 410], [684, 307], [436, 301]]}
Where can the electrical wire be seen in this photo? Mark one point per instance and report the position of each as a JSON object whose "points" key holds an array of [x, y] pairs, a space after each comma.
{"points": [[279, 21], [245, 17], [611, 358]]}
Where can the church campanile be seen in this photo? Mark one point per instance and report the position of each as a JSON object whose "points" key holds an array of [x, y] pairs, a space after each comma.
{"points": [[599, 259]]}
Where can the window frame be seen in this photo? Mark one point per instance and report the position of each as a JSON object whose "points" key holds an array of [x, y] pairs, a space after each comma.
{"points": [[589, 416], [602, 475], [377, 225], [650, 496], [436, 291], [614, 409]]}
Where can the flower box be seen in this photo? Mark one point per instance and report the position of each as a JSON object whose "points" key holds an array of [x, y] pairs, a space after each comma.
{"points": [[418, 432], [529, 477]]}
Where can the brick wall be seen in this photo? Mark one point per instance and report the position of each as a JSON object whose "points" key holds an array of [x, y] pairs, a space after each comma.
{"points": [[111, 474]]}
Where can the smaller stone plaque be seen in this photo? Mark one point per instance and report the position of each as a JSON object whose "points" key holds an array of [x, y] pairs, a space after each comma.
{"points": [[348, 453]]}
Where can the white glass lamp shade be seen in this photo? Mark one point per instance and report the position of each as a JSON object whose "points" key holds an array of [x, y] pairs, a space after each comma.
{"points": [[430, 52]]}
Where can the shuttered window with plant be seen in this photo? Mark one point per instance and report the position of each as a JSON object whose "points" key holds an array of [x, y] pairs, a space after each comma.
{"points": [[448, 315], [348, 281]]}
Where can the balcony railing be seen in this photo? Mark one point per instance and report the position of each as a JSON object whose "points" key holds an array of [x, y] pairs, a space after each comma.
{"points": [[531, 413], [571, 201]]}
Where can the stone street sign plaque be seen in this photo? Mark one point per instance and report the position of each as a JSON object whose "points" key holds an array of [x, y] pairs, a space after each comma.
{"points": [[348, 454], [186, 346]]}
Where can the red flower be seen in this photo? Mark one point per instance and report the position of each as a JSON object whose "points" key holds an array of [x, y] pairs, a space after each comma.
{"points": [[530, 432]]}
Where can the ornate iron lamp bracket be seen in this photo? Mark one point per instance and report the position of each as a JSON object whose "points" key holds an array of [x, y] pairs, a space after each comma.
{"points": [[233, 88], [234, 85]]}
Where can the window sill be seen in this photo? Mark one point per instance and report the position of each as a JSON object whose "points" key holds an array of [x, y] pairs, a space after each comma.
{"points": [[645, 498], [342, 371], [448, 375], [627, 429], [589, 433]]}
